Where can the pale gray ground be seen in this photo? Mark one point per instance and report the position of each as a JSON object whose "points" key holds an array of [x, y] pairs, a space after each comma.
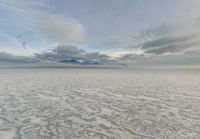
{"points": [[99, 104]]}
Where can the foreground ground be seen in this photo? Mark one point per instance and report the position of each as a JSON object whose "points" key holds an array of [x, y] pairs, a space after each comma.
{"points": [[99, 104]]}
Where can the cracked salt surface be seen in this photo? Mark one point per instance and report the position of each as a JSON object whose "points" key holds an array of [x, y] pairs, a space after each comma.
{"points": [[99, 104]]}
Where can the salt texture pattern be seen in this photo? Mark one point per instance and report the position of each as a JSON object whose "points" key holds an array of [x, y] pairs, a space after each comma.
{"points": [[99, 104]]}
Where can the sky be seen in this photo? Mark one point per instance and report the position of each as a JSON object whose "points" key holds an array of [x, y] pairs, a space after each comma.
{"points": [[130, 33]]}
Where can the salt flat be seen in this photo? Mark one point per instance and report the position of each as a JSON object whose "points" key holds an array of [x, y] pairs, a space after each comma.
{"points": [[99, 104]]}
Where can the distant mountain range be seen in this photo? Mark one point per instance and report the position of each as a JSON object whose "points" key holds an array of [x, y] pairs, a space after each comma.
{"points": [[74, 61]]}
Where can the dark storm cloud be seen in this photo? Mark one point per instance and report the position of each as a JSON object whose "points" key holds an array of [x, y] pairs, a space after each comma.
{"points": [[61, 52], [69, 52], [6, 57]]}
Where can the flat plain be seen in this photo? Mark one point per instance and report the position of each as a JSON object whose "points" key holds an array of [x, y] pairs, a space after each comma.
{"points": [[99, 104]]}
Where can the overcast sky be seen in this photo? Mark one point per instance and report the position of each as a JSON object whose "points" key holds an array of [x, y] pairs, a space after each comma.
{"points": [[130, 33]]}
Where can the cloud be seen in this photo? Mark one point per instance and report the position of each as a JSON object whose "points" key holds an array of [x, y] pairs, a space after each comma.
{"points": [[6, 57], [67, 53], [171, 44], [129, 57], [161, 40], [175, 44], [63, 30], [61, 52], [31, 14], [150, 34], [60, 56]]}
